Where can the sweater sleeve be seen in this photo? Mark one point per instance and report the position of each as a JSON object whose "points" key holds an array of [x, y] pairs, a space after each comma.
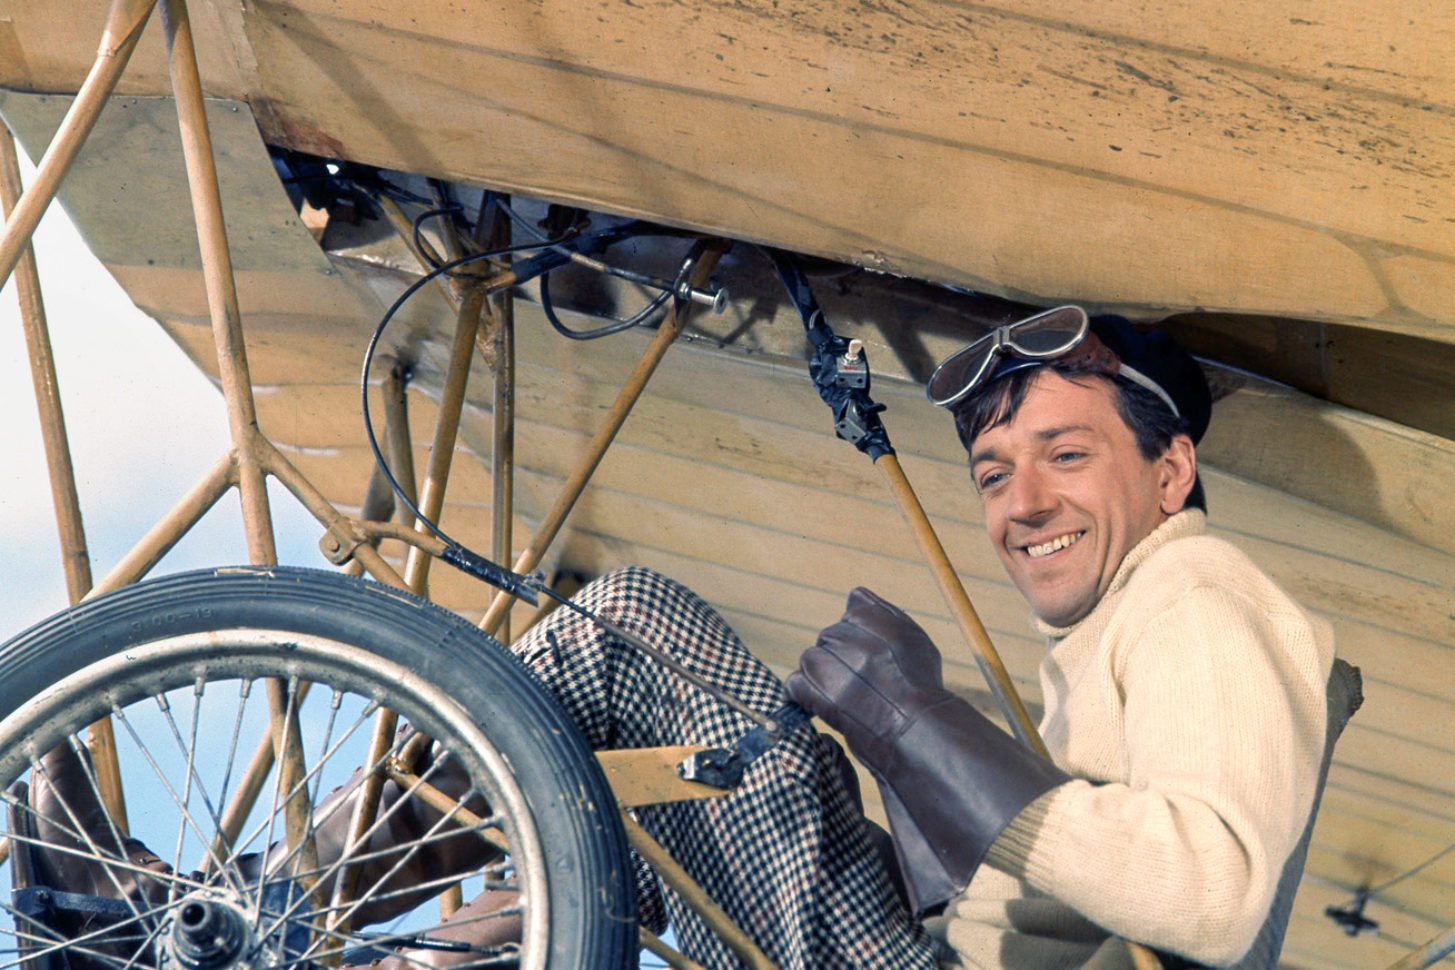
{"points": [[1222, 701]]}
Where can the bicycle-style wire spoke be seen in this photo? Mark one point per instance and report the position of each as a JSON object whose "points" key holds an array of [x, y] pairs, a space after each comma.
{"points": [[440, 882], [444, 828], [290, 855], [53, 945], [185, 818], [483, 808], [78, 831], [408, 939], [264, 827], [244, 691], [194, 786], [313, 776], [188, 749]]}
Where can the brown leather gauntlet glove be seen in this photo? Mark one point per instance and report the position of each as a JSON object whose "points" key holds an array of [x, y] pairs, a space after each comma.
{"points": [[951, 780]]}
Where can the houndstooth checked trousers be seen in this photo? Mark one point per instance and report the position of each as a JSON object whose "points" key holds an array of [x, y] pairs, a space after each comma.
{"points": [[786, 855]]}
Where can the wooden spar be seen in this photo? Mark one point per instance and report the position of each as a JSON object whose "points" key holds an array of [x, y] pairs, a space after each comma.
{"points": [[693, 895], [75, 560], [218, 276], [442, 450], [649, 776], [124, 25], [997, 678], [237, 392], [636, 382], [1428, 955], [501, 309], [650, 941]]}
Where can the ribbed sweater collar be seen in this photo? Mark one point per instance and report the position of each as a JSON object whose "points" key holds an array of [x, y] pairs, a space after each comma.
{"points": [[1188, 522]]}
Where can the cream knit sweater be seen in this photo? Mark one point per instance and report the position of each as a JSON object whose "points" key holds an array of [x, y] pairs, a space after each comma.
{"points": [[1190, 707]]}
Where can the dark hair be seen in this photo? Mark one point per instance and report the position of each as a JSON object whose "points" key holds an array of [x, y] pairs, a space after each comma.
{"points": [[1145, 414]]}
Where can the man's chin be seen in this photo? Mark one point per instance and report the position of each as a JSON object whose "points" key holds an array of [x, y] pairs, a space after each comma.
{"points": [[1060, 612]]}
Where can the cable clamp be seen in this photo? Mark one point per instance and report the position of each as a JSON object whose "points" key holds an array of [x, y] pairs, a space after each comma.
{"points": [[724, 767]]}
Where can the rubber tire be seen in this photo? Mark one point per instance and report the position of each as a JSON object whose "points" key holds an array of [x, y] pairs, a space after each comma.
{"points": [[591, 899]]}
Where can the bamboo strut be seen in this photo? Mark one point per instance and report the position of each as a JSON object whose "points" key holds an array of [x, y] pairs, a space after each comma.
{"points": [[398, 443], [447, 427], [361, 819], [74, 557], [677, 961], [75, 560], [446, 805], [401, 225], [124, 23], [672, 873], [161, 537], [417, 561], [218, 276], [379, 502], [636, 382], [275, 464], [986, 658], [237, 392], [1429, 954], [501, 307], [1142, 958]]}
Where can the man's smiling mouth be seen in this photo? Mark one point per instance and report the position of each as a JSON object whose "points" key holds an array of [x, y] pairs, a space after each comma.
{"points": [[1046, 548]]}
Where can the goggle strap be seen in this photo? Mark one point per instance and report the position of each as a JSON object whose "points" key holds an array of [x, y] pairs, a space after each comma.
{"points": [[1142, 380]]}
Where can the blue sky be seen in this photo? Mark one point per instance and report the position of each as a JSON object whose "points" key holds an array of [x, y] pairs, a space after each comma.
{"points": [[144, 422]]}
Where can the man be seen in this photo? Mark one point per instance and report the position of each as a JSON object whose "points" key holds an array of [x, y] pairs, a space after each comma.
{"points": [[1185, 693], [1184, 708], [1185, 705]]}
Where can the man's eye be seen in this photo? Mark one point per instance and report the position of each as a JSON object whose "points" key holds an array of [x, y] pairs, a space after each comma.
{"points": [[991, 480], [1064, 456]]}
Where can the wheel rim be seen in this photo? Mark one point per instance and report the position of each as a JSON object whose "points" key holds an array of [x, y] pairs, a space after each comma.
{"points": [[188, 711]]}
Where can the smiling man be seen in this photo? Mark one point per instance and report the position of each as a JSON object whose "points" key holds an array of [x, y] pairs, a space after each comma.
{"points": [[1185, 693], [1067, 494]]}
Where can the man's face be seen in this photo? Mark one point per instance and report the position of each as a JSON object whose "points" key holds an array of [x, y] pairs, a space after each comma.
{"points": [[1067, 493]]}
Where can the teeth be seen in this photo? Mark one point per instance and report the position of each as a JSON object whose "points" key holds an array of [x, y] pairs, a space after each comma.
{"points": [[1046, 548]]}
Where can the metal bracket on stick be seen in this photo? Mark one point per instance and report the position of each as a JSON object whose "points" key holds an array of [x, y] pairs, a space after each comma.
{"points": [[840, 372]]}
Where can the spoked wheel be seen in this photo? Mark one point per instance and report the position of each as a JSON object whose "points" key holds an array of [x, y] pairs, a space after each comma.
{"points": [[489, 784]]}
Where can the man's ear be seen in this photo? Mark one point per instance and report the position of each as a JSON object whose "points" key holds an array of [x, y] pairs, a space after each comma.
{"points": [[1178, 473]]}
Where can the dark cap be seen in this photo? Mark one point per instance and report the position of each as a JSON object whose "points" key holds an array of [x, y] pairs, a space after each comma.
{"points": [[1155, 356]]}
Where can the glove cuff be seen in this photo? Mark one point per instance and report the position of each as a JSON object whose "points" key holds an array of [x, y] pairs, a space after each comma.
{"points": [[954, 783]]}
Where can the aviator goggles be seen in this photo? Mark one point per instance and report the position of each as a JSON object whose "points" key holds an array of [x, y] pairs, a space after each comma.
{"points": [[1062, 334]]}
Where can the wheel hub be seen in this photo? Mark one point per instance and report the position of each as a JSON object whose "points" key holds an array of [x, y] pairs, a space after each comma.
{"points": [[208, 933]]}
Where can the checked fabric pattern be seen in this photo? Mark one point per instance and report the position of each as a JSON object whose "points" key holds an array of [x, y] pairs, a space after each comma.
{"points": [[786, 854]]}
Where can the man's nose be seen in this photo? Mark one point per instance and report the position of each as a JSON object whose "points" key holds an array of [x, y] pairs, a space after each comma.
{"points": [[1031, 498]]}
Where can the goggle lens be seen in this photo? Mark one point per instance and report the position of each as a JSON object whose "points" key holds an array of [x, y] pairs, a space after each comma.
{"points": [[1045, 335]]}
